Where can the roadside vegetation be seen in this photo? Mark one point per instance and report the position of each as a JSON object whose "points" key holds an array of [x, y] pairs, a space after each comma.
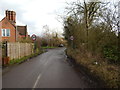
{"points": [[23, 59], [95, 43]]}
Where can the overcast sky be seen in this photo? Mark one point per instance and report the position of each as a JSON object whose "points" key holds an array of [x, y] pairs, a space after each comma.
{"points": [[36, 13]]}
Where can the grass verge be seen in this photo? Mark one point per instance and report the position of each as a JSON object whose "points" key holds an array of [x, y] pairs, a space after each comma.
{"points": [[23, 59], [97, 66]]}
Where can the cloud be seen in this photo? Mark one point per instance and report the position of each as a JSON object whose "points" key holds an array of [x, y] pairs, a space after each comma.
{"points": [[34, 13]]}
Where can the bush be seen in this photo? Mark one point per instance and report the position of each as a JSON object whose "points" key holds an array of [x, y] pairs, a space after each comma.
{"points": [[106, 72], [111, 53]]}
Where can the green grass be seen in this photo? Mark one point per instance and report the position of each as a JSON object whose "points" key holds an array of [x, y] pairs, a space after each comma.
{"points": [[17, 61], [22, 59]]}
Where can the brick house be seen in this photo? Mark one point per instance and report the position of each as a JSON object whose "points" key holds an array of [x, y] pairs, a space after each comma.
{"points": [[22, 31], [8, 29]]}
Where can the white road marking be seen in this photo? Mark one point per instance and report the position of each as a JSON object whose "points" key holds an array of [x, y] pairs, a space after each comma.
{"points": [[36, 82]]}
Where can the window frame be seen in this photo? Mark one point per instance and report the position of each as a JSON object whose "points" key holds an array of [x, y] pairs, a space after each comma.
{"points": [[5, 32]]}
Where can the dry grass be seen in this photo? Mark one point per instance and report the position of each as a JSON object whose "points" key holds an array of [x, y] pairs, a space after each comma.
{"points": [[109, 73]]}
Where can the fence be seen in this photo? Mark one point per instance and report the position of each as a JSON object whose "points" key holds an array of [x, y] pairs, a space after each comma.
{"points": [[18, 50]]}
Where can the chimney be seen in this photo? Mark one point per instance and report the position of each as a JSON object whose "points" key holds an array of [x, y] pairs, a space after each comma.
{"points": [[11, 16], [7, 14]]}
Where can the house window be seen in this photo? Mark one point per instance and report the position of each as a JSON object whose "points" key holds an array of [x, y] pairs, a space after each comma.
{"points": [[5, 32]]}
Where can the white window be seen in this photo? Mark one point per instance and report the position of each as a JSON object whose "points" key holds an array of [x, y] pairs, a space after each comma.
{"points": [[5, 32]]}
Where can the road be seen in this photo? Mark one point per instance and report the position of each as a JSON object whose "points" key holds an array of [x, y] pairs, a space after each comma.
{"points": [[48, 70]]}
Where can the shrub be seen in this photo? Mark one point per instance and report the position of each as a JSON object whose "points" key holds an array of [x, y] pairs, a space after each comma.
{"points": [[111, 53]]}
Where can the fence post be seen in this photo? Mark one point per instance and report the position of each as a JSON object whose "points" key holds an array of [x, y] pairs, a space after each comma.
{"points": [[6, 54], [5, 58]]}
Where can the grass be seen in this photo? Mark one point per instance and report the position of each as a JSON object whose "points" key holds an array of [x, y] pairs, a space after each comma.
{"points": [[109, 73], [22, 59], [17, 61]]}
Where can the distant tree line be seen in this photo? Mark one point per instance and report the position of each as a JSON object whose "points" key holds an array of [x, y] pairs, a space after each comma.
{"points": [[50, 37]]}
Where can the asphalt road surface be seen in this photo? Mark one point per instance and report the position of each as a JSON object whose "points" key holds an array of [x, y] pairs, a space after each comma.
{"points": [[48, 70]]}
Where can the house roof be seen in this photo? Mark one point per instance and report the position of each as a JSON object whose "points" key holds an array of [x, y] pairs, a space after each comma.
{"points": [[8, 21], [22, 30]]}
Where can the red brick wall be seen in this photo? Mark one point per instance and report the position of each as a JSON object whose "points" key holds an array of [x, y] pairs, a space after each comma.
{"points": [[0, 31], [0, 47], [7, 25]]}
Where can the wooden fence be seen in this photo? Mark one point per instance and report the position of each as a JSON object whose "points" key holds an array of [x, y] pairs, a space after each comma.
{"points": [[18, 50]]}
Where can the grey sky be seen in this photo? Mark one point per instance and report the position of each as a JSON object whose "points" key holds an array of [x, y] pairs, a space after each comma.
{"points": [[36, 13]]}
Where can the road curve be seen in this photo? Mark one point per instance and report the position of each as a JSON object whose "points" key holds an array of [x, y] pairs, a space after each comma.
{"points": [[48, 70]]}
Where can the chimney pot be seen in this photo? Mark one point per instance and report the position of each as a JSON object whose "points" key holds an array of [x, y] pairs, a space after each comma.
{"points": [[11, 15]]}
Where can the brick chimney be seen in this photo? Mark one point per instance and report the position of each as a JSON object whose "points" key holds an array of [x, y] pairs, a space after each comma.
{"points": [[11, 16]]}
